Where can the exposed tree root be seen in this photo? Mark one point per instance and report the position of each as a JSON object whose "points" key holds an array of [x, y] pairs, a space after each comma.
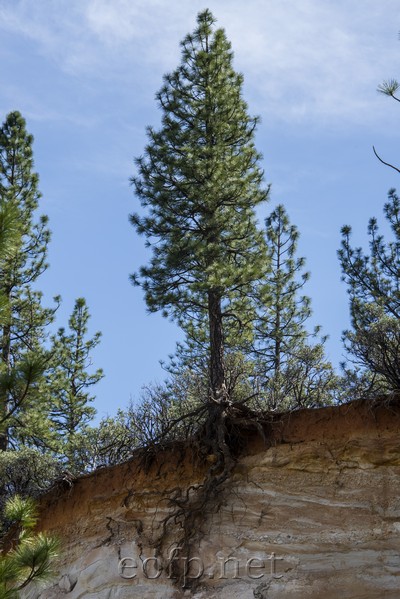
{"points": [[219, 442]]}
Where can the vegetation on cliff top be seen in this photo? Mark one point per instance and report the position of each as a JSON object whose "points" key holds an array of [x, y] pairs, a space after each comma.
{"points": [[236, 289]]}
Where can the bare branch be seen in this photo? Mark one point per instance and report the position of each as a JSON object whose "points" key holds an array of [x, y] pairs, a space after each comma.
{"points": [[383, 162]]}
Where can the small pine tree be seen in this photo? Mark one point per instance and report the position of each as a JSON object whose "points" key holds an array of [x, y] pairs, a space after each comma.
{"points": [[22, 358], [69, 378], [291, 371], [32, 556]]}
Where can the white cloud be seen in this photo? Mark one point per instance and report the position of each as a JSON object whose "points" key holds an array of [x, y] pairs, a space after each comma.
{"points": [[315, 59], [308, 60]]}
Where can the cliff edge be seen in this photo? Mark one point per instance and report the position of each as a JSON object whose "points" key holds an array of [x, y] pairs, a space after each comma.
{"points": [[313, 513]]}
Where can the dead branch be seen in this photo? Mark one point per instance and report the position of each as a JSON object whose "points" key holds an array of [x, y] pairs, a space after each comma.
{"points": [[383, 162]]}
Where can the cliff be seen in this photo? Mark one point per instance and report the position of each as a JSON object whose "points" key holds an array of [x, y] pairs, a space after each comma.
{"points": [[314, 513]]}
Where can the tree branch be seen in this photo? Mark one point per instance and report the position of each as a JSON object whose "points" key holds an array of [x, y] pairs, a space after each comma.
{"points": [[383, 162]]}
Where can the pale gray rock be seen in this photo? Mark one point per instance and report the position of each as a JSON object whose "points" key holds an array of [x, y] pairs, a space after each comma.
{"points": [[316, 514]]}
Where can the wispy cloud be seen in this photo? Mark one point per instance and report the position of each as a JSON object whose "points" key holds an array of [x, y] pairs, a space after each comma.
{"points": [[308, 60], [315, 59]]}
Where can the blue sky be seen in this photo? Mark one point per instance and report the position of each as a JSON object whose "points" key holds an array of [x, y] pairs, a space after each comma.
{"points": [[84, 74]]}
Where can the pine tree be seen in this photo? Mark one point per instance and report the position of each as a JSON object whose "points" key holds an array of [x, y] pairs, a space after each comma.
{"points": [[31, 558], [10, 239], [22, 357], [373, 344], [69, 379], [200, 182], [374, 290], [291, 369]]}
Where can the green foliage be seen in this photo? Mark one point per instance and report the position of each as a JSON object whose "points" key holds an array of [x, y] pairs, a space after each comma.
{"points": [[281, 313], [26, 417], [291, 369], [69, 379], [160, 413], [10, 231], [10, 239], [164, 412], [32, 556], [373, 287], [357, 383], [111, 442], [22, 511], [200, 182], [307, 380], [43, 394], [23, 317], [376, 344], [26, 472], [389, 88]]}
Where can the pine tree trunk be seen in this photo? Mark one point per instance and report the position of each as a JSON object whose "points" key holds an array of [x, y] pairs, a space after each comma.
{"points": [[3, 435], [217, 366]]}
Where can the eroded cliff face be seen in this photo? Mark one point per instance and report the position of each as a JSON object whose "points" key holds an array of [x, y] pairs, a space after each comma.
{"points": [[316, 514]]}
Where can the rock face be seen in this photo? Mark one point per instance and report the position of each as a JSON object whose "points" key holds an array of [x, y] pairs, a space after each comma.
{"points": [[314, 515]]}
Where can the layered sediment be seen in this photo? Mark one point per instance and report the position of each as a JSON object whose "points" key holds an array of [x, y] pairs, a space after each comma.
{"points": [[313, 513]]}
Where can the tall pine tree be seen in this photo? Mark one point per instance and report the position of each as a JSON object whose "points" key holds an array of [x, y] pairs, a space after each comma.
{"points": [[200, 181], [22, 358]]}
